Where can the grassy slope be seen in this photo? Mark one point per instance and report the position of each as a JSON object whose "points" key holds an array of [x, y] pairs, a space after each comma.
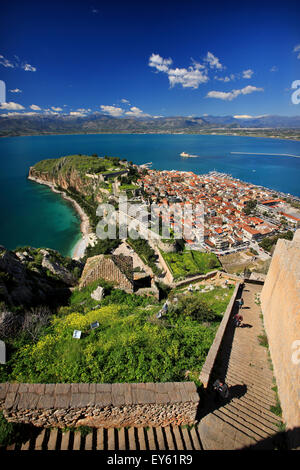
{"points": [[190, 263], [130, 345]]}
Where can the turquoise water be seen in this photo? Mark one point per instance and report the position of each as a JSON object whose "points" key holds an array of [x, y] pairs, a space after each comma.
{"points": [[32, 214]]}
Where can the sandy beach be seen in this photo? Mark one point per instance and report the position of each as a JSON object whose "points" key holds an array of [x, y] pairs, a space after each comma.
{"points": [[85, 228]]}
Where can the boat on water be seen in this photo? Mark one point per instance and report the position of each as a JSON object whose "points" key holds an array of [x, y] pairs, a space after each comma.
{"points": [[187, 155]]}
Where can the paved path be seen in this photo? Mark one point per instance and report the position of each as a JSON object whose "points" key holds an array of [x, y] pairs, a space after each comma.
{"points": [[246, 419]]}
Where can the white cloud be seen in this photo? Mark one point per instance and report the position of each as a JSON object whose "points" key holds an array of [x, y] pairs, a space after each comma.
{"points": [[77, 114], [229, 96], [35, 107], [16, 64], [274, 68], [83, 110], [28, 68], [125, 101], [213, 61], [297, 49], [136, 112], [190, 77], [11, 106], [243, 116], [16, 90], [18, 114], [223, 79], [6, 62], [247, 73], [112, 110], [57, 110], [161, 65]]}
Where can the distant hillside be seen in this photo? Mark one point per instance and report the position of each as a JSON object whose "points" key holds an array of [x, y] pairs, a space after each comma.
{"points": [[98, 123]]}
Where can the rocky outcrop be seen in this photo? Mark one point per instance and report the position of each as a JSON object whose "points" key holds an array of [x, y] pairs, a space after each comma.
{"points": [[33, 277]]}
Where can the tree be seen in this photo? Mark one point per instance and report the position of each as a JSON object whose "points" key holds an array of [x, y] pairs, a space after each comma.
{"points": [[192, 306]]}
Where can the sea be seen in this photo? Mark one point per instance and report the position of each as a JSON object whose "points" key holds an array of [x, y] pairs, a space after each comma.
{"points": [[32, 215]]}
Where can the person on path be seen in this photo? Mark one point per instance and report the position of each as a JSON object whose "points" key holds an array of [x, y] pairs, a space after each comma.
{"points": [[237, 319], [221, 390]]}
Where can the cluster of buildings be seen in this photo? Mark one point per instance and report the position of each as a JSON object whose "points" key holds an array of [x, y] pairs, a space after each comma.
{"points": [[236, 214]]}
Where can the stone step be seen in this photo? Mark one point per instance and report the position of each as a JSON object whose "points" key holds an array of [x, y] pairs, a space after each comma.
{"points": [[195, 438], [121, 439], [187, 442], [77, 440], [53, 438], [255, 376], [100, 439], [263, 412], [178, 440], [40, 440], [252, 418], [132, 439], [141, 439], [111, 444], [266, 400], [169, 437], [89, 442], [252, 430], [160, 439], [224, 417], [65, 441]]}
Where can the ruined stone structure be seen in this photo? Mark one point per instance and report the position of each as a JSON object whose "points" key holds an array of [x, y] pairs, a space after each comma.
{"points": [[280, 301], [114, 268]]}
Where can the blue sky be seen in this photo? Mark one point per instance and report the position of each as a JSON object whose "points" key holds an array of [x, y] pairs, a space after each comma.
{"points": [[127, 58]]}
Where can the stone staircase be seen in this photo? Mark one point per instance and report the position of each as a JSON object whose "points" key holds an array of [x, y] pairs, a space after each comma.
{"points": [[160, 438], [246, 419]]}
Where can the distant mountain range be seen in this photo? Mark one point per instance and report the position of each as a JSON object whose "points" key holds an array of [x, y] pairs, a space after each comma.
{"points": [[100, 123]]}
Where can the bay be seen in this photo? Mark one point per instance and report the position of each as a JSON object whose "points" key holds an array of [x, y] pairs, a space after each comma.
{"points": [[33, 215]]}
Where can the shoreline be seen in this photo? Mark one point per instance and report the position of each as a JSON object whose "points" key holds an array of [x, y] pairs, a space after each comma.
{"points": [[79, 248], [154, 133]]}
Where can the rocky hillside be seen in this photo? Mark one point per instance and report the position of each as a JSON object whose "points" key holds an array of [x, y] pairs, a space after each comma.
{"points": [[83, 174], [30, 276]]}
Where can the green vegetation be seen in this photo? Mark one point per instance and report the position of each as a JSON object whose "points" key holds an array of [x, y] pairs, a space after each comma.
{"points": [[189, 263], [249, 207], [263, 340], [130, 344], [102, 247], [269, 242], [145, 252], [81, 163]]}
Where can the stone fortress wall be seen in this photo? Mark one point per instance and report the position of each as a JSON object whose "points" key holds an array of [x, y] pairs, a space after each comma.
{"points": [[280, 302]]}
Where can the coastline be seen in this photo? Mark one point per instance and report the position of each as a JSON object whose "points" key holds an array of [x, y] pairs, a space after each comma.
{"points": [[154, 133], [85, 228]]}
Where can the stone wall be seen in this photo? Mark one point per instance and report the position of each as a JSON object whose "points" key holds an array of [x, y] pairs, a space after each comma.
{"points": [[100, 405], [280, 301], [104, 267], [207, 368]]}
